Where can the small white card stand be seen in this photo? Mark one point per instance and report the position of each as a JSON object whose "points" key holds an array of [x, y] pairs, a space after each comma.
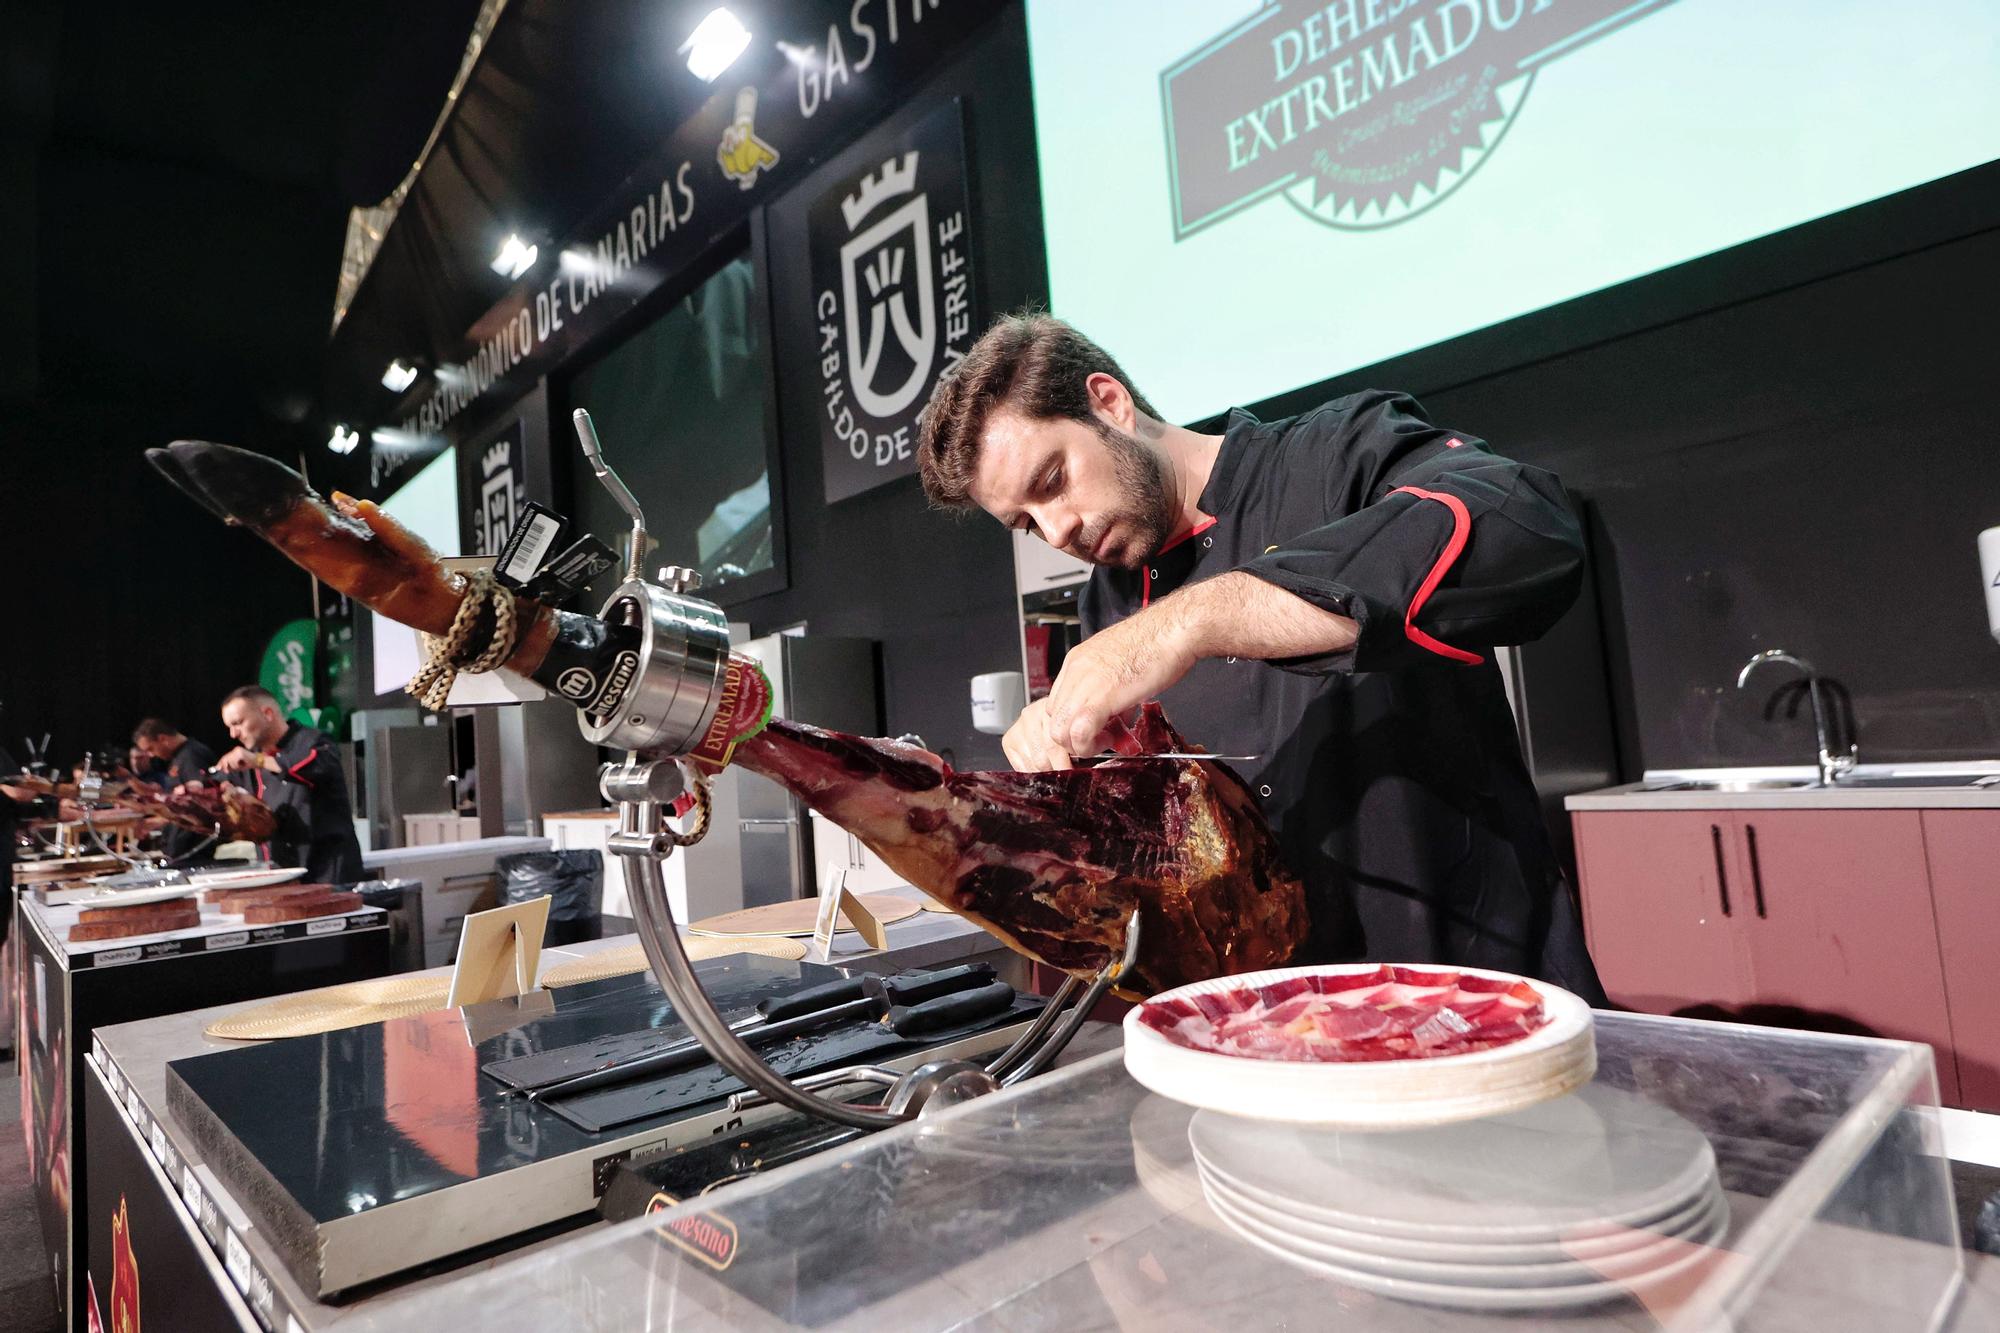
{"points": [[498, 952], [835, 901]]}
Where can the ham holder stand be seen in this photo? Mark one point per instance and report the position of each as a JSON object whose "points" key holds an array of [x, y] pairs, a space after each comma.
{"points": [[660, 718]]}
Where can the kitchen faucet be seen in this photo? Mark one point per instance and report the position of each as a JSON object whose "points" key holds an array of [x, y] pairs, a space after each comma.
{"points": [[1832, 767]]}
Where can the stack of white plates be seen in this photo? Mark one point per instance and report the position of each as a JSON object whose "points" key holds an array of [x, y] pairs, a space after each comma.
{"points": [[1571, 1203]]}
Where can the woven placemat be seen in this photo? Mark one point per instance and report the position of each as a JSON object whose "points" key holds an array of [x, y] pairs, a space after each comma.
{"points": [[797, 917], [632, 958], [332, 1008]]}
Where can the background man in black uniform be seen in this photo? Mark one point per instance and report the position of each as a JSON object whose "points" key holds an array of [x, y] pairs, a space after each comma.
{"points": [[296, 772], [179, 761], [1319, 592]]}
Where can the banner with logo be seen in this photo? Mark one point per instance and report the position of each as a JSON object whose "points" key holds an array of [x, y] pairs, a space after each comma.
{"points": [[289, 667], [892, 297], [1363, 115], [493, 486]]}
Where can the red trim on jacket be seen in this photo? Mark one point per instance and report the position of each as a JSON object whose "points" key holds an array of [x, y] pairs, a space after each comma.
{"points": [[293, 771], [1146, 573], [263, 848], [1461, 532]]}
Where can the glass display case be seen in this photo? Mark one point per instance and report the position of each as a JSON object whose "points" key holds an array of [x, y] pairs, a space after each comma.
{"points": [[1767, 1179]]}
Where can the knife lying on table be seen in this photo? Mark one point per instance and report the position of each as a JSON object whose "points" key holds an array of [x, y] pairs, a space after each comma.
{"points": [[785, 1016]]}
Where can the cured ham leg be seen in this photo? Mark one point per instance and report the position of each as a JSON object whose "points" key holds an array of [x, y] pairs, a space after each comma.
{"points": [[1054, 863], [1051, 863]]}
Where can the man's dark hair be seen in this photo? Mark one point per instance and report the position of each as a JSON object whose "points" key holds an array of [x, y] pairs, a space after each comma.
{"points": [[1031, 362], [153, 728], [255, 695]]}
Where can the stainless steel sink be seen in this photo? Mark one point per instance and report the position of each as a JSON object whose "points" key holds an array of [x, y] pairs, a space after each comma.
{"points": [[1922, 781], [1862, 782]]}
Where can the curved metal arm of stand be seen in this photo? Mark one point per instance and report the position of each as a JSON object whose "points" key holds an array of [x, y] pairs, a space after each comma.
{"points": [[1043, 1021], [187, 857], [90, 827], [1041, 1059], [661, 940]]}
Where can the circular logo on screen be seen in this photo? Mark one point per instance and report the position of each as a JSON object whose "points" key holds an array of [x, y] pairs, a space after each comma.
{"points": [[1398, 164], [1360, 115]]}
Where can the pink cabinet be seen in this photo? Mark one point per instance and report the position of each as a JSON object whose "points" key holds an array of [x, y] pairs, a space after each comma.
{"points": [[1842, 923], [1963, 847], [1823, 911], [1659, 893]]}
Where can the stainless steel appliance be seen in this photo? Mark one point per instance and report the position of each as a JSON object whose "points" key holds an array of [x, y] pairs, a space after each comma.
{"points": [[829, 682], [407, 768]]}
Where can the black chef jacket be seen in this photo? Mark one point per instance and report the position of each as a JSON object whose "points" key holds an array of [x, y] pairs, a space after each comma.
{"points": [[309, 797], [189, 764], [1392, 770]]}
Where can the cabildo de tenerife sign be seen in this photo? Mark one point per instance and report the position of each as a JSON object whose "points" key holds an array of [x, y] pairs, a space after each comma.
{"points": [[1360, 113]]}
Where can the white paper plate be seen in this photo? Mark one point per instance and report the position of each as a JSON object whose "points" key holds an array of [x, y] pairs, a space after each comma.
{"points": [[1554, 1059], [1600, 1159], [1456, 1296], [1637, 1251], [132, 897], [244, 879]]}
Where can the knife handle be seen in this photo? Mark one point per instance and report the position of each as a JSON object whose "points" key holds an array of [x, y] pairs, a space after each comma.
{"points": [[916, 987], [781, 1007], [949, 1011]]}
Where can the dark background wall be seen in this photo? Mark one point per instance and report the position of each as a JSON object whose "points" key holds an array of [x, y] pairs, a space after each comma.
{"points": [[1807, 471], [1782, 446], [174, 182]]}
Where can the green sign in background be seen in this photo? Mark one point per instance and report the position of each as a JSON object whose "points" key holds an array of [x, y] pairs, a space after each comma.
{"points": [[289, 669]]}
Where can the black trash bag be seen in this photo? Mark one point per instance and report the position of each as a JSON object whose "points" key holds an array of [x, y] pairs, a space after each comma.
{"points": [[573, 879]]}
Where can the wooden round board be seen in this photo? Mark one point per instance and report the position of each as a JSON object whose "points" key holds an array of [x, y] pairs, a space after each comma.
{"points": [[631, 958], [797, 918], [332, 1008]]}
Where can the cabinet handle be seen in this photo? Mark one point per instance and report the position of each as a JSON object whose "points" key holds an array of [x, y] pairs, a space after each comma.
{"points": [[1756, 871], [1721, 867]]}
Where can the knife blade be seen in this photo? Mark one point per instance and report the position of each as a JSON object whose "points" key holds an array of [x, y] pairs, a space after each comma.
{"points": [[1169, 754]]}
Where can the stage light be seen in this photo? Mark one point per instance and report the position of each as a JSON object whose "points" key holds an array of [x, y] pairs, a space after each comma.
{"points": [[714, 45], [399, 376], [515, 258], [343, 440]]}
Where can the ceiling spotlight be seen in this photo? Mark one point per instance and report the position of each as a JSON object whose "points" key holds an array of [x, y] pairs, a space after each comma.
{"points": [[343, 440], [399, 376], [714, 45], [515, 258]]}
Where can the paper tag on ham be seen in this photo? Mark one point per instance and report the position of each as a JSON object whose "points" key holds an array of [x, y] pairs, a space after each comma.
{"points": [[744, 711]]}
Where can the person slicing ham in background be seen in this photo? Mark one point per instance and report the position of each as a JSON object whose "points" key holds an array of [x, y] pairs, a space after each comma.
{"points": [[1319, 592], [296, 771]]}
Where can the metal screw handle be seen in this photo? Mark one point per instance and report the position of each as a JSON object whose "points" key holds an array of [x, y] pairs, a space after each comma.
{"points": [[679, 579], [586, 435]]}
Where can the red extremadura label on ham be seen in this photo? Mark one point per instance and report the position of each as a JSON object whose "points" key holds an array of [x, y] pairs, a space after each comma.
{"points": [[1390, 1013], [743, 712]]}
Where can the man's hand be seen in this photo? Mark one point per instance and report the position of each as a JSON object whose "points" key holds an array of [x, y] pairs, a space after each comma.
{"points": [[1102, 679], [1115, 670], [240, 760], [1027, 742]]}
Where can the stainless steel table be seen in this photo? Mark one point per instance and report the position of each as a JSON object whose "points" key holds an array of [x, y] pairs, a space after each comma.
{"points": [[190, 1237]]}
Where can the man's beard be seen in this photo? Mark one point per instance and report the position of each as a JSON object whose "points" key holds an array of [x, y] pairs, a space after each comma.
{"points": [[1148, 512]]}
